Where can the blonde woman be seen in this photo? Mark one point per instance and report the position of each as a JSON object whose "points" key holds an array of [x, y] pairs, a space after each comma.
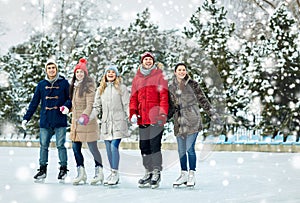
{"points": [[111, 102]]}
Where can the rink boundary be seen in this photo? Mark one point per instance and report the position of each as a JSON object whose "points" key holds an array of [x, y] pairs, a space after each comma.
{"points": [[291, 148]]}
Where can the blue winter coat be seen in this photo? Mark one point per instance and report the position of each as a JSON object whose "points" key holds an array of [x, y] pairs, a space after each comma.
{"points": [[51, 97]]}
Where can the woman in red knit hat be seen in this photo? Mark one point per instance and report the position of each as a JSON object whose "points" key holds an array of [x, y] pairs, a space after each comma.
{"points": [[82, 93]]}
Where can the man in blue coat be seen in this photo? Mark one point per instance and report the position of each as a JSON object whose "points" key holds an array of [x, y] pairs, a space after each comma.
{"points": [[53, 94]]}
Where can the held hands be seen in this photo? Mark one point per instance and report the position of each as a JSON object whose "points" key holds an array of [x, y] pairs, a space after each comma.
{"points": [[161, 119], [133, 119], [83, 119], [24, 123], [64, 109]]}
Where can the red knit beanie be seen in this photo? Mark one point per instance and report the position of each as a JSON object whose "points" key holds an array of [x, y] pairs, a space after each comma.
{"points": [[147, 54], [81, 65]]}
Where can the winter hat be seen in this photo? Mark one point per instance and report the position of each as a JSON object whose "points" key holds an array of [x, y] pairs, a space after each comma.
{"points": [[147, 54], [51, 61], [114, 68], [81, 65]]}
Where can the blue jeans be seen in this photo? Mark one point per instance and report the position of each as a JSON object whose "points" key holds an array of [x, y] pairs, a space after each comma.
{"points": [[186, 145], [112, 150], [45, 137]]}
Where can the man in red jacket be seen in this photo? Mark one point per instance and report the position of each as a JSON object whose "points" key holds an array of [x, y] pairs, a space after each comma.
{"points": [[149, 109]]}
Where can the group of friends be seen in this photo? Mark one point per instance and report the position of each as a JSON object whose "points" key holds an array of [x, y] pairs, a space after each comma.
{"points": [[147, 105]]}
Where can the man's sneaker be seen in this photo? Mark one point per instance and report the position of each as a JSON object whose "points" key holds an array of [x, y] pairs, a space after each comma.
{"points": [[42, 174], [145, 181], [155, 179], [62, 173]]}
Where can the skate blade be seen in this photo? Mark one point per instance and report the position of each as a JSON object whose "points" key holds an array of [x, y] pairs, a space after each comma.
{"points": [[147, 185], [154, 186], [39, 180], [62, 181], [113, 184], [97, 183], [190, 186], [79, 183], [175, 185]]}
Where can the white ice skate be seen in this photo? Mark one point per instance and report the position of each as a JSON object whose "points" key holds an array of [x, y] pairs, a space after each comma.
{"points": [[191, 179], [114, 179], [107, 179], [182, 179], [81, 176], [98, 178]]}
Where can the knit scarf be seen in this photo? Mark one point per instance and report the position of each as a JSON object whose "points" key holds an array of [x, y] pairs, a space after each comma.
{"points": [[145, 71], [53, 80]]}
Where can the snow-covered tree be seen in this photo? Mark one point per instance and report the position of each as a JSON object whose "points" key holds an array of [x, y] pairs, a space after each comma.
{"points": [[278, 83], [213, 32]]}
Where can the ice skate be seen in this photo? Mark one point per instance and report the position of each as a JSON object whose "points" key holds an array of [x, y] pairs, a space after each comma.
{"points": [[155, 180], [114, 179], [183, 178], [62, 174], [81, 176], [98, 178], [191, 179], [107, 179], [145, 181], [41, 175]]}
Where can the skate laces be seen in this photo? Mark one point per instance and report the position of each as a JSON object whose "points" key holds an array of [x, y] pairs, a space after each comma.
{"points": [[96, 172], [155, 175], [146, 176]]}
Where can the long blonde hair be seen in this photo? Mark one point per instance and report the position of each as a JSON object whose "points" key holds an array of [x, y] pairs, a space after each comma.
{"points": [[117, 83]]}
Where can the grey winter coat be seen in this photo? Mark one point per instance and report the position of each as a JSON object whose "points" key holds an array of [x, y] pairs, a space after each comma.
{"points": [[115, 111], [187, 97]]}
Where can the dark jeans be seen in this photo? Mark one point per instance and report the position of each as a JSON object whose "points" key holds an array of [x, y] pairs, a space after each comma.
{"points": [[77, 146], [150, 146]]}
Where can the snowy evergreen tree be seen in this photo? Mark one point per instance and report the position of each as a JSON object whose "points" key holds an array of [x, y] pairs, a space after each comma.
{"points": [[28, 72], [9, 95], [280, 75], [212, 31]]}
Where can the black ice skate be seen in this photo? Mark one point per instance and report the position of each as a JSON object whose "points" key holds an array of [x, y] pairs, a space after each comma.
{"points": [[62, 174], [41, 175], [155, 180], [145, 181]]}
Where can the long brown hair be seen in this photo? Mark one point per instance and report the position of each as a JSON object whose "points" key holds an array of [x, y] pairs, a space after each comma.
{"points": [[117, 83], [83, 88]]}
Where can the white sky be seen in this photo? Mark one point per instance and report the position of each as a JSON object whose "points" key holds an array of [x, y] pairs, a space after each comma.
{"points": [[166, 13]]}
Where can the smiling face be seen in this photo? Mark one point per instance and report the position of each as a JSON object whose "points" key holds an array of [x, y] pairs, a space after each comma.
{"points": [[79, 74], [180, 72], [51, 71], [147, 62], [111, 75]]}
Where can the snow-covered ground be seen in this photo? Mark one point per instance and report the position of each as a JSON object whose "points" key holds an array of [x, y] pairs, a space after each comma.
{"points": [[221, 177]]}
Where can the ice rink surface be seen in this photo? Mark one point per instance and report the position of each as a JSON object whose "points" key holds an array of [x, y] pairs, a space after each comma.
{"points": [[238, 177]]}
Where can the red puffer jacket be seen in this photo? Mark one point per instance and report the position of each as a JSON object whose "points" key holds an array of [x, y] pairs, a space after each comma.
{"points": [[149, 97]]}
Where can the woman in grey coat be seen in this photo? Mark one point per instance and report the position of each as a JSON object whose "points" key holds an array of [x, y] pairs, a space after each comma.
{"points": [[187, 96], [111, 102]]}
